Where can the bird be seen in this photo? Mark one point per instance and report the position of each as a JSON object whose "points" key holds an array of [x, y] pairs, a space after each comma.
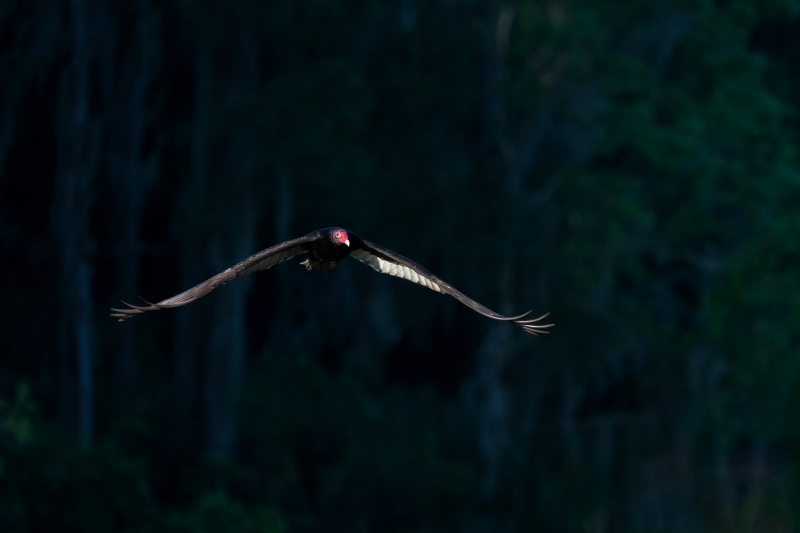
{"points": [[326, 248]]}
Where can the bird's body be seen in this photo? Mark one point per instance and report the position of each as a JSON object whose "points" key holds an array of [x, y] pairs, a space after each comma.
{"points": [[324, 253], [326, 248]]}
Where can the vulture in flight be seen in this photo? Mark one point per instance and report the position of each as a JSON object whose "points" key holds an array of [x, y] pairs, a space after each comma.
{"points": [[326, 247]]}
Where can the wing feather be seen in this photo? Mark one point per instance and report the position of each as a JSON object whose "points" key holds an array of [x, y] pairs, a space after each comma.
{"points": [[260, 261], [386, 261]]}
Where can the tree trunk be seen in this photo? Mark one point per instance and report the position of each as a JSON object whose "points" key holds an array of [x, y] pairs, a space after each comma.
{"points": [[131, 175], [228, 342], [189, 215], [228, 346], [517, 139], [76, 158]]}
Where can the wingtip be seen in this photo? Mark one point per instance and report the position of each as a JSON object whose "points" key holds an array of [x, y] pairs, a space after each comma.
{"points": [[530, 326], [515, 319], [122, 314], [121, 317]]}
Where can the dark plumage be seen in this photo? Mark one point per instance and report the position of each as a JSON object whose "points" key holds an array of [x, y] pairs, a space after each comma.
{"points": [[326, 247]]}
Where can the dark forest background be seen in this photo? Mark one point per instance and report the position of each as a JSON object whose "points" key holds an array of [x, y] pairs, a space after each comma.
{"points": [[629, 166]]}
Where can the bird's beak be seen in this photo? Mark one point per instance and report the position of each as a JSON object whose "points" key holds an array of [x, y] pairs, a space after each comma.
{"points": [[347, 242]]}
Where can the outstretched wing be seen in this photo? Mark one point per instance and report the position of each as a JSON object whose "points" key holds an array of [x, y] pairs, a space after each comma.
{"points": [[388, 262], [260, 261]]}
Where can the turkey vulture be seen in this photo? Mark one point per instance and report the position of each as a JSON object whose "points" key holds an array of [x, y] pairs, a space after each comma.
{"points": [[326, 247]]}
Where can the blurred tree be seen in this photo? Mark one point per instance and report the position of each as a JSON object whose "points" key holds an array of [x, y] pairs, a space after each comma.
{"points": [[131, 163], [78, 147]]}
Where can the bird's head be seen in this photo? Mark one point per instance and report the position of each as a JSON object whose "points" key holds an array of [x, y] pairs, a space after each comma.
{"points": [[339, 236]]}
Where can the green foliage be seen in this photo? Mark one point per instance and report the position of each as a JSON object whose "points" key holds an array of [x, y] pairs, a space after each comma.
{"points": [[331, 443], [217, 512], [47, 480], [15, 418]]}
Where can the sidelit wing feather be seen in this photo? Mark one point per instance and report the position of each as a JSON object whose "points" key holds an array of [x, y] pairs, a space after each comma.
{"points": [[388, 262], [260, 261]]}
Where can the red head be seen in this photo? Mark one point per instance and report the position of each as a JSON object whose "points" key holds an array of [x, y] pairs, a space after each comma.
{"points": [[340, 237]]}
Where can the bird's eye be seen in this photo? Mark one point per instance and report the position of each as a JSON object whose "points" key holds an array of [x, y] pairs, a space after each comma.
{"points": [[337, 234]]}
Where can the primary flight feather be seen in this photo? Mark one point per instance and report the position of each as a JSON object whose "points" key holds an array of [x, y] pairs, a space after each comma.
{"points": [[325, 248]]}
